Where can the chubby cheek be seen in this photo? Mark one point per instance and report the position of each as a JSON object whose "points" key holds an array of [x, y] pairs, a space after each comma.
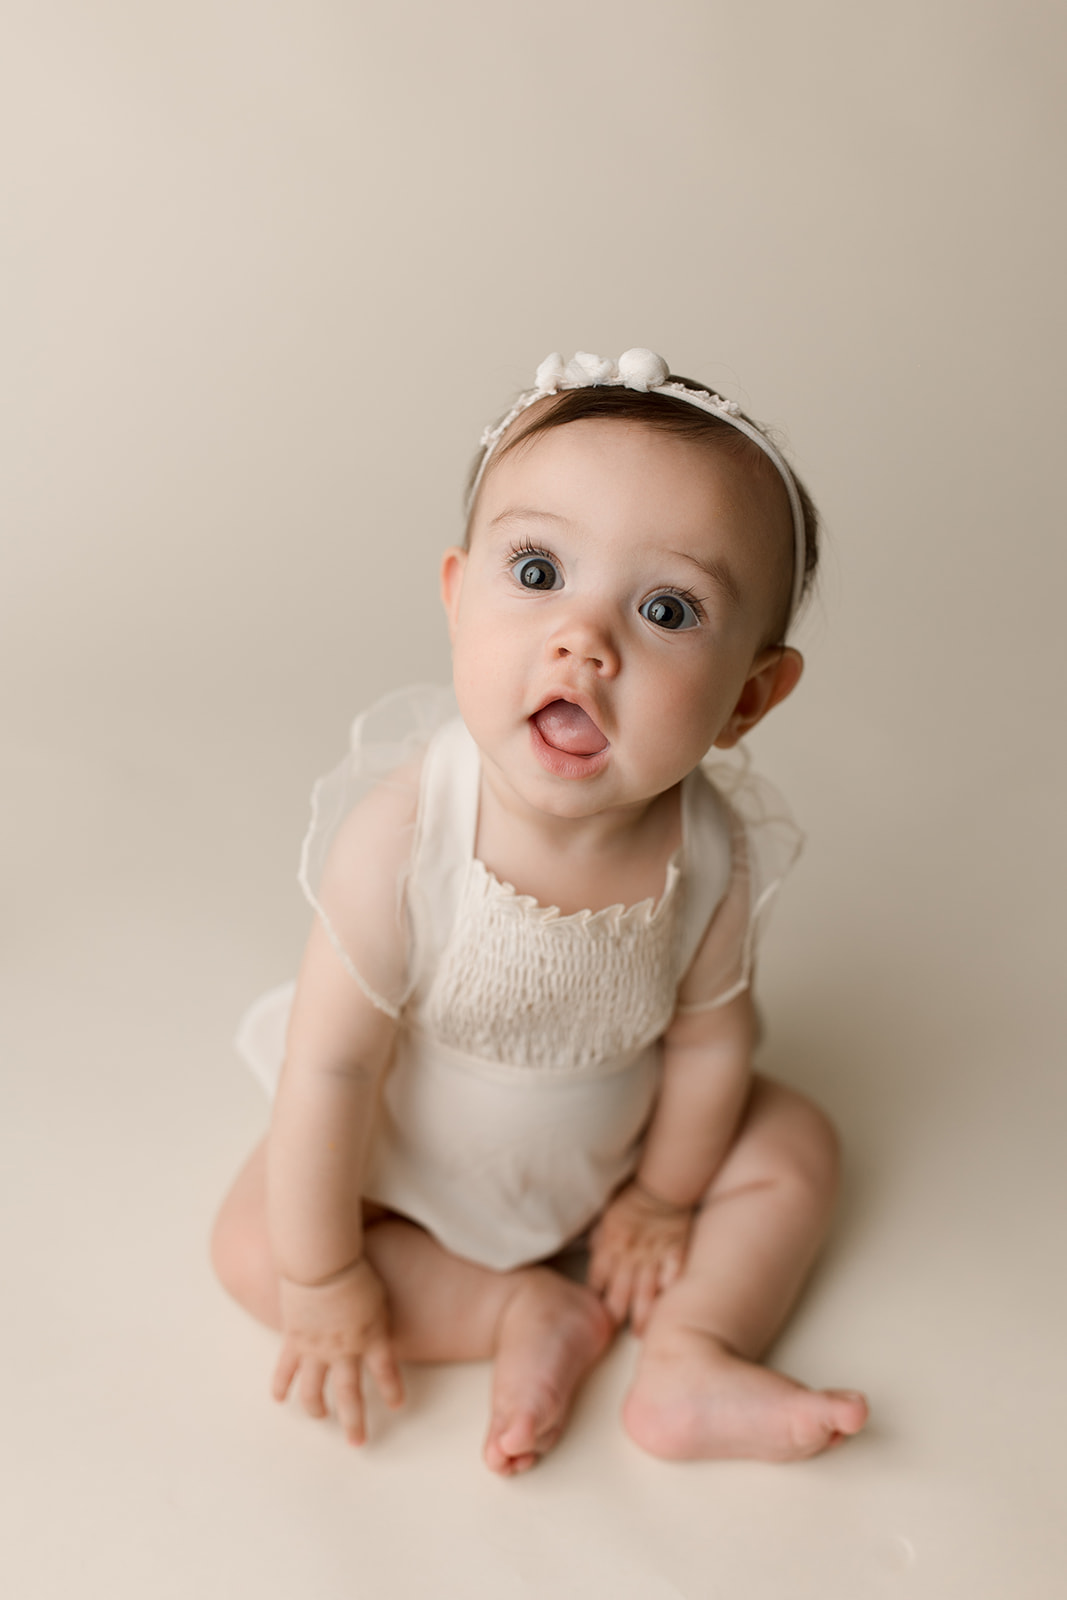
{"points": [[681, 722], [484, 674]]}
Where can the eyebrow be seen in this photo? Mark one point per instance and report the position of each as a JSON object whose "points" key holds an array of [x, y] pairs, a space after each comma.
{"points": [[719, 573], [527, 514]]}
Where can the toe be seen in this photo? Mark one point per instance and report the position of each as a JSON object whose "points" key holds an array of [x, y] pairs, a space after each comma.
{"points": [[512, 1444], [822, 1419], [850, 1410]]}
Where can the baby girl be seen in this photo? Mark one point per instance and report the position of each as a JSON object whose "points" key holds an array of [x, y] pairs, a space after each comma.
{"points": [[524, 1018]]}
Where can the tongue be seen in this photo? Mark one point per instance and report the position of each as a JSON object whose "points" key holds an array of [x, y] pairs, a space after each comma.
{"points": [[567, 728]]}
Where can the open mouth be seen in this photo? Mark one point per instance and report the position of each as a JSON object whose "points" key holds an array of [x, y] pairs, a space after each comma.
{"points": [[569, 729]]}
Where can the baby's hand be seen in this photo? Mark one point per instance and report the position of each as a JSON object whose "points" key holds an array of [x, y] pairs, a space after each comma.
{"points": [[334, 1329], [638, 1249]]}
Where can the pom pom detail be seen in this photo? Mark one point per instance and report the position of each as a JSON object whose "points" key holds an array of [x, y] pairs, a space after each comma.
{"points": [[642, 369], [549, 374], [590, 371]]}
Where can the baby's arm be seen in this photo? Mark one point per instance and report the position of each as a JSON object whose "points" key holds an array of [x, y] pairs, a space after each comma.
{"points": [[640, 1242], [638, 1247], [334, 1315]]}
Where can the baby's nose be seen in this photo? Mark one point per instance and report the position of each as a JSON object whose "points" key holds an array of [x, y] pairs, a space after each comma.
{"points": [[588, 640]]}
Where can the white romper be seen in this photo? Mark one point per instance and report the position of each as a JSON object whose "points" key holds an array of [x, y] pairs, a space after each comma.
{"points": [[527, 1054]]}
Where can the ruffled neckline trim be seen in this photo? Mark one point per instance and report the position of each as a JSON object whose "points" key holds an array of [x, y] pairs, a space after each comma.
{"points": [[614, 918]]}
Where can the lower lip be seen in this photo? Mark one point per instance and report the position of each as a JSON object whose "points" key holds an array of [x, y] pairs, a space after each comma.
{"points": [[563, 765]]}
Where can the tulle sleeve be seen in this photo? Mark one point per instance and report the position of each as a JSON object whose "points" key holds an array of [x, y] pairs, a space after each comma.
{"points": [[764, 843], [354, 861]]}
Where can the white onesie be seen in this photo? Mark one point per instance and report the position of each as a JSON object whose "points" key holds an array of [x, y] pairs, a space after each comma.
{"points": [[527, 1053]]}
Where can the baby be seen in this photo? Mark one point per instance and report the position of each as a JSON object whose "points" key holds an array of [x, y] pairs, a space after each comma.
{"points": [[524, 1017]]}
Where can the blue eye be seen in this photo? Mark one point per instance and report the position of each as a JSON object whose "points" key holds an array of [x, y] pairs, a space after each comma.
{"points": [[670, 611], [536, 572]]}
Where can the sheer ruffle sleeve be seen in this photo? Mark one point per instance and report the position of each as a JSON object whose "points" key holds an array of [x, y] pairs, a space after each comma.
{"points": [[354, 865], [764, 843], [355, 856]]}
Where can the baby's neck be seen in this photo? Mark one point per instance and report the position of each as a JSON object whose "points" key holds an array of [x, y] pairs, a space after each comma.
{"points": [[584, 863]]}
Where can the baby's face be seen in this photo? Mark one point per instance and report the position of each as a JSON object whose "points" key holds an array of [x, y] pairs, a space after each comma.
{"points": [[609, 618]]}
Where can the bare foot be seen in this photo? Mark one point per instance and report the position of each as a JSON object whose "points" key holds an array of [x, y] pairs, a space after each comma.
{"points": [[693, 1398], [551, 1333]]}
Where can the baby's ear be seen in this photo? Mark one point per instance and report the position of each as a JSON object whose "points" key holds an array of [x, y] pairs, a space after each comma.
{"points": [[773, 675], [453, 564]]}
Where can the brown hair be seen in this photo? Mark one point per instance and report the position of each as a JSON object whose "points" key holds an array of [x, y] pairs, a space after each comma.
{"points": [[660, 411]]}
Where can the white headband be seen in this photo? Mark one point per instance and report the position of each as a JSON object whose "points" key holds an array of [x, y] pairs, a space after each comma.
{"points": [[645, 371]]}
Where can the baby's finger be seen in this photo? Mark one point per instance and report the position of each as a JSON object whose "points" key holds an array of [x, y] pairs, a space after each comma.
{"points": [[285, 1371], [312, 1382], [645, 1289], [669, 1268], [600, 1264], [620, 1292], [348, 1398], [381, 1363]]}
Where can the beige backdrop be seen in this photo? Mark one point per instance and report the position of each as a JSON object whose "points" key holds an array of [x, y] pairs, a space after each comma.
{"points": [[271, 269]]}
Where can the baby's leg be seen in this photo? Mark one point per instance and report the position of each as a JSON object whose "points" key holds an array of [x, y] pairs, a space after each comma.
{"points": [[699, 1391], [544, 1331]]}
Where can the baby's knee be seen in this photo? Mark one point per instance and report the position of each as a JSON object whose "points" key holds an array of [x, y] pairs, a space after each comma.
{"points": [[789, 1141], [812, 1151], [225, 1251], [241, 1261]]}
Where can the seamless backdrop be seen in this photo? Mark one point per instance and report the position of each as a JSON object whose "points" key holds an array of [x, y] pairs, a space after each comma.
{"points": [[271, 269]]}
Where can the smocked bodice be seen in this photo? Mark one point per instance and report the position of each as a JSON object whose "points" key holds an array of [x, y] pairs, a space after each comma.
{"points": [[521, 983]]}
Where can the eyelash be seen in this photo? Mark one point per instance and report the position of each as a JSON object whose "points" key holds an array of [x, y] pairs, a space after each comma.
{"points": [[516, 551], [690, 599], [527, 549]]}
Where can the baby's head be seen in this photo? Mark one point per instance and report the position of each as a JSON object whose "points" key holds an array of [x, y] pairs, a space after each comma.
{"points": [[635, 553], [640, 389]]}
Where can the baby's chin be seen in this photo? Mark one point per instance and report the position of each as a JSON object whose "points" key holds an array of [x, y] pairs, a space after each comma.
{"points": [[522, 787]]}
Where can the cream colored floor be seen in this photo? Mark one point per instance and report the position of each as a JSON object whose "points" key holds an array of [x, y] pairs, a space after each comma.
{"points": [[273, 273], [140, 1451]]}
